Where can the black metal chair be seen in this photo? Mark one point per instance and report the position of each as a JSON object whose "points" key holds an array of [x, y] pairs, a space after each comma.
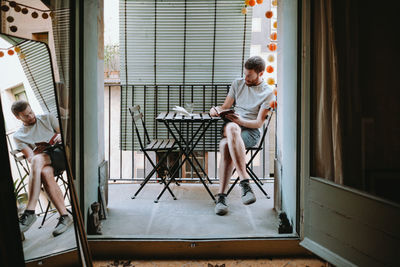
{"points": [[21, 162], [65, 184], [155, 145], [255, 151]]}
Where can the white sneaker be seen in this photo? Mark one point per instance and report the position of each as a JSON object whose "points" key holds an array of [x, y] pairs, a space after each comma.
{"points": [[248, 196], [26, 220], [63, 223], [221, 208]]}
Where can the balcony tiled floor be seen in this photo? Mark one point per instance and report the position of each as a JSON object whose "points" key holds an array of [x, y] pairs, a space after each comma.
{"points": [[191, 216], [41, 242]]}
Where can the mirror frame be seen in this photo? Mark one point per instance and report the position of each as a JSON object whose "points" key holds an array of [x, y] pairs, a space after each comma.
{"points": [[11, 253]]}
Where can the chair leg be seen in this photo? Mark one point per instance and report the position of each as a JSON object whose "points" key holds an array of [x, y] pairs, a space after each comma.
{"points": [[166, 187], [45, 214], [166, 184], [232, 186], [259, 186], [142, 185], [254, 178], [249, 170], [155, 169]]}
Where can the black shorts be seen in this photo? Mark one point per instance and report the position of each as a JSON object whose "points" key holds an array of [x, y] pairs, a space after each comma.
{"points": [[57, 158]]}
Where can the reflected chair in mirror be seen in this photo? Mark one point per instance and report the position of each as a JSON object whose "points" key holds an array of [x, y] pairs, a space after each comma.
{"points": [[254, 151], [147, 145], [22, 167], [24, 170], [62, 182]]}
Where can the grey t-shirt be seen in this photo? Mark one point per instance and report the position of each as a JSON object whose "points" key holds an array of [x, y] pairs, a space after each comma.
{"points": [[42, 131], [249, 100]]}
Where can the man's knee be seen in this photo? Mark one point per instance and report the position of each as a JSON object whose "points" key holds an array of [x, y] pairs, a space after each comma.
{"points": [[38, 160], [47, 174], [232, 129], [223, 145]]}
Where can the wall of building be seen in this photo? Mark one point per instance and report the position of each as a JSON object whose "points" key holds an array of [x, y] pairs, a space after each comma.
{"points": [[28, 26]]}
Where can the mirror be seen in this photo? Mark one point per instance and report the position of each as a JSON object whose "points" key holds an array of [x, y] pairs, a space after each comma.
{"points": [[42, 185]]}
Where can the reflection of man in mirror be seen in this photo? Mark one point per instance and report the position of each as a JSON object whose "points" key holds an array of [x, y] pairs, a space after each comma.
{"points": [[37, 139]]}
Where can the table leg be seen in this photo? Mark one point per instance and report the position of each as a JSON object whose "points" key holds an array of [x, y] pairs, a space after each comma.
{"points": [[187, 151], [187, 144]]}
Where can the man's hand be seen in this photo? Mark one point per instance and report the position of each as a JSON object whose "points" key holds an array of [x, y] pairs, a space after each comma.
{"points": [[57, 139], [234, 117], [213, 112], [39, 149]]}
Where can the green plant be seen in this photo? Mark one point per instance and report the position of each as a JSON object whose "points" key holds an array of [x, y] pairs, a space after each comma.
{"points": [[18, 187], [111, 57]]}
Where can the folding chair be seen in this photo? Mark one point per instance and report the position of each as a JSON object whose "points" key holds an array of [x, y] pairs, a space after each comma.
{"points": [[22, 163], [66, 190], [255, 149], [155, 145]]}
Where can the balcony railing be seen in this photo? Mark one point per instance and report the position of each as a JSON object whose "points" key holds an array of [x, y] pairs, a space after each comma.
{"points": [[127, 163]]}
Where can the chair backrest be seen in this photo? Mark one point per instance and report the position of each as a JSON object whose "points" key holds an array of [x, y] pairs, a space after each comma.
{"points": [[266, 123], [137, 115], [19, 158]]}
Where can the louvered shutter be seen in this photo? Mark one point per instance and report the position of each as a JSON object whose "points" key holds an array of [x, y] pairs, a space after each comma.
{"points": [[39, 73], [175, 52]]}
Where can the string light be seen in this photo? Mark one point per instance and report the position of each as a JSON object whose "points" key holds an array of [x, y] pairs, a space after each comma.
{"points": [[11, 51], [24, 9], [269, 14], [272, 46], [271, 81]]}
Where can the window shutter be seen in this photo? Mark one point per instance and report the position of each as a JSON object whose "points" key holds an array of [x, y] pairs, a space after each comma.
{"points": [[175, 52], [39, 73]]}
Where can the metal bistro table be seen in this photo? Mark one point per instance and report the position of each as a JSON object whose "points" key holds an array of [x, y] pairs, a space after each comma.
{"points": [[173, 121]]}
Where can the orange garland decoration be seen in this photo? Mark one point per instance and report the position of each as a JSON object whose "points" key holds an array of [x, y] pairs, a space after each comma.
{"points": [[269, 14], [272, 47]]}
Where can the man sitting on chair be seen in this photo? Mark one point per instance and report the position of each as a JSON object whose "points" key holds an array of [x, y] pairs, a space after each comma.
{"points": [[45, 163], [241, 129]]}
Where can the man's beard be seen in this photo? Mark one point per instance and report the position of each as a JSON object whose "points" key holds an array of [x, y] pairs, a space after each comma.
{"points": [[252, 83], [32, 122]]}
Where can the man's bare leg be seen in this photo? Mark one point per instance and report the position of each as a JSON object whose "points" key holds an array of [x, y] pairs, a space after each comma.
{"points": [[53, 189], [37, 164], [225, 167], [238, 155], [236, 149]]}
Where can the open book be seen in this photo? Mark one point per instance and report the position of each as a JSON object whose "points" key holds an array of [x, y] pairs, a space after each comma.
{"points": [[41, 146], [182, 111], [223, 112]]}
